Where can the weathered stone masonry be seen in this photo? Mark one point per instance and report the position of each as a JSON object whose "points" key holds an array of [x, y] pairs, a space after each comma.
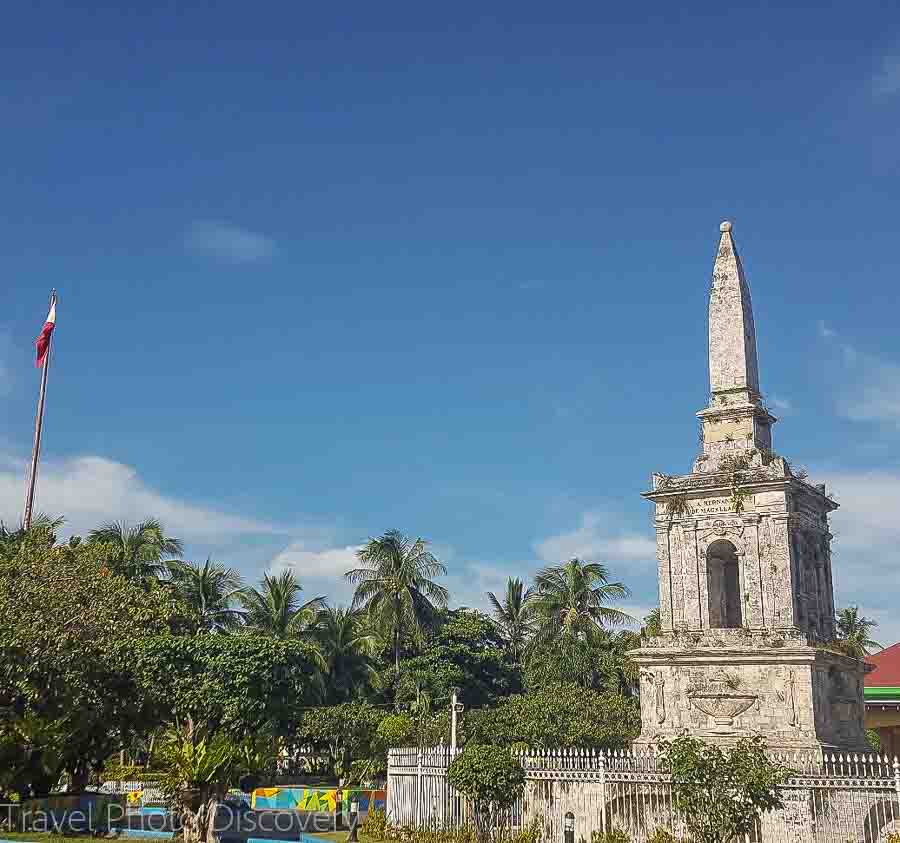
{"points": [[744, 564]]}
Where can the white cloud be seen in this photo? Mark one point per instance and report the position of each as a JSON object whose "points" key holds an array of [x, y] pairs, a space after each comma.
{"points": [[866, 547], [330, 562], [872, 391], [228, 242], [90, 490], [782, 405], [886, 80], [597, 539], [870, 385]]}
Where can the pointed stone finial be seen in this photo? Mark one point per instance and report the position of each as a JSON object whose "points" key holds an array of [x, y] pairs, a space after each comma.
{"points": [[732, 335], [736, 418]]}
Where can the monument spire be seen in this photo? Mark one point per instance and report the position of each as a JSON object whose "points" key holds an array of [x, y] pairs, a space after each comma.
{"points": [[745, 582], [735, 419], [733, 366]]}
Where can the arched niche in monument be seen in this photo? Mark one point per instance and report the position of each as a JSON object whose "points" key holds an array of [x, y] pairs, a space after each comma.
{"points": [[724, 585]]}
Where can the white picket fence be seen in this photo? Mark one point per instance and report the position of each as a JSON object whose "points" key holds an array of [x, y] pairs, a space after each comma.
{"points": [[838, 799], [147, 793]]}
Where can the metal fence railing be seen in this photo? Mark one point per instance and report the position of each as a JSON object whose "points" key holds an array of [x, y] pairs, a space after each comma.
{"points": [[831, 799]]}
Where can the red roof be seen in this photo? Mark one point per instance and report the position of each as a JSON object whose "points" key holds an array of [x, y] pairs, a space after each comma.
{"points": [[887, 668]]}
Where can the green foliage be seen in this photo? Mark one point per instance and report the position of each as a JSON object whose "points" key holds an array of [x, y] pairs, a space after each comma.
{"points": [[852, 633], [615, 835], [487, 774], [396, 730], [79, 700], [276, 608], [652, 624], [465, 651], [558, 715], [344, 732], [233, 684], [874, 740], [721, 793], [395, 585], [492, 779], [377, 824], [572, 602], [601, 664], [348, 648], [514, 616], [136, 551], [210, 591], [662, 835], [195, 761]]}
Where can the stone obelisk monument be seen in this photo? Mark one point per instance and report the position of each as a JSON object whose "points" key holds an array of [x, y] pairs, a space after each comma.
{"points": [[744, 553]]}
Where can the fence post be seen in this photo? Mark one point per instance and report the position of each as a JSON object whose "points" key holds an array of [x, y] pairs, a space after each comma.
{"points": [[603, 791], [897, 777], [418, 786]]}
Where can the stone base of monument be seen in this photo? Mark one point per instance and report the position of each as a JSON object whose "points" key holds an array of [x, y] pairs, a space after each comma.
{"points": [[796, 697]]}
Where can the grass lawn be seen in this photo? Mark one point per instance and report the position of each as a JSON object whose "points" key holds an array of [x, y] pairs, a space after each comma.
{"points": [[41, 837]]}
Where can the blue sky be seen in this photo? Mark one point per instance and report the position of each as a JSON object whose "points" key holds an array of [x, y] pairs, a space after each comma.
{"points": [[327, 270]]}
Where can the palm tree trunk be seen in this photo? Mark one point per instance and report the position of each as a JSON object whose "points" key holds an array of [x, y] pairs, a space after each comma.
{"points": [[396, 637], [397, 650]]}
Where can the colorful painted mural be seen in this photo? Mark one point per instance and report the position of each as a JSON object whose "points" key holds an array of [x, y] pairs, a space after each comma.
{"points": [[325, 800]]}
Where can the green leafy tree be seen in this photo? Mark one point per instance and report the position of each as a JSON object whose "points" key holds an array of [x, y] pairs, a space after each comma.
{"points": [[722, 793], [136, 551], [276, 609], [43, 529], [572, 600], [464, 650], [210, 590], [492, 780], [557, 715], [232, 684], [852, 633], [395, 585], [601, 664], [514, 616], [83, 620], [652, 623], [348, 649], [216, 692], [345, 732]]}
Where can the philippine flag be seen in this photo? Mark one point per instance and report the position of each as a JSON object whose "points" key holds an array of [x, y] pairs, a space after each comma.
{"points": [[42, 343]]}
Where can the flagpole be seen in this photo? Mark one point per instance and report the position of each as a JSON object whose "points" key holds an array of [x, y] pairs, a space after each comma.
{"points": [[38, 425]]}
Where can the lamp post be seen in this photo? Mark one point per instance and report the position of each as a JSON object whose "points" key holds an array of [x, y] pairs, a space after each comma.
{"points": [[354, 820], [455, 709], [569, 828]]}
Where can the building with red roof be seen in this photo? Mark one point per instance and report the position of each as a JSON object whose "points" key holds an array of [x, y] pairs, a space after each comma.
{"points": [[882, 693]]}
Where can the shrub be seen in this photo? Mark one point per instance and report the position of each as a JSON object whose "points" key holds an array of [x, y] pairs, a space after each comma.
{"points": [[492, 779], [377, 824], [395, 730], [615, 835], [662, 835], [558, 715], [721, 794]]}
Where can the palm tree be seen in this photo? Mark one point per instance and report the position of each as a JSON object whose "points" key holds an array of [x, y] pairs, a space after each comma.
{"points": [[514, 616], [571, 600], [42, 526], [652, 623], [347, 648], [394, 585], [210, 590], [139, 551], [275, 609], [852, 633]]}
